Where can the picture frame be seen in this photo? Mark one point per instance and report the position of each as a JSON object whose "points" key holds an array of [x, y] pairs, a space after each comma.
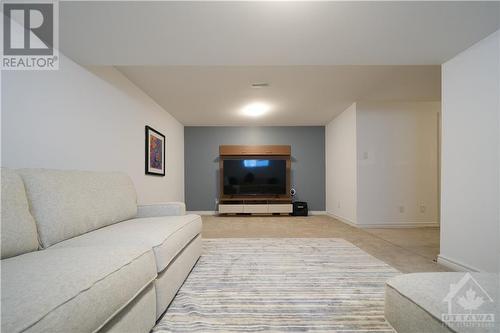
{"points": [[155, 157]]}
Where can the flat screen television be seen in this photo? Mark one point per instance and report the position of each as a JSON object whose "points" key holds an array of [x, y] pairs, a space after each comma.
{"points": [[254, 177]]}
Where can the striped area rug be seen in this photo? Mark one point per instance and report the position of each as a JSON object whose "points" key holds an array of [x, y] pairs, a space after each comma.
{"points": [[281, 285]]}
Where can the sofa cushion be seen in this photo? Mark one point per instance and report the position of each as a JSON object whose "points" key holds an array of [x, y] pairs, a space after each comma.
{"points": [[162, 209], [138, 316], [407, 317], [170, 280], [417, 301], [66, 204], [71, 289], [18, 229], [167, 236]]}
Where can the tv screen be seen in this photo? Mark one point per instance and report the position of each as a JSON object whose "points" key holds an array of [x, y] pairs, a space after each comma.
{"points": [[254, 177]]}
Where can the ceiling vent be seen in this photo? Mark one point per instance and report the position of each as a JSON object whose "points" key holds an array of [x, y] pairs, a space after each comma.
{"points": [[260, 85]]}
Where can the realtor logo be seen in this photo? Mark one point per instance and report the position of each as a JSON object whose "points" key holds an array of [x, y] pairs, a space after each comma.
{"points": [[30, 36], [469, 305]]}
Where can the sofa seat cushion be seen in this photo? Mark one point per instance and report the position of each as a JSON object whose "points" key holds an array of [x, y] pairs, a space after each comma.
{"points": [[166, 235], [429, 292], [71, 289]]}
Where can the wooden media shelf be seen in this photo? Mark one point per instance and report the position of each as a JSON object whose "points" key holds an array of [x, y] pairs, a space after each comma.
{"points": [[255, 204]]}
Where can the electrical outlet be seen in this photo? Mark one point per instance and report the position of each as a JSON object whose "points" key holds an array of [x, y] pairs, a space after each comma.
{"points": [[338, 204], [365, 155], [401, 209], [422, 208]]}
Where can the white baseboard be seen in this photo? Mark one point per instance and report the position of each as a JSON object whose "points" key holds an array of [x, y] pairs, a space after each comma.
{"points": [[343, 219], [317, 212], [202, 212], [384, 225], [400, 225], [455, 265]]}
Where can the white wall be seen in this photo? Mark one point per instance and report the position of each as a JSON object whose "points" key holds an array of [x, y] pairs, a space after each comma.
{"points": [[397, 153], [382, 164], [340, 147], [88, 119], [470, 224]]}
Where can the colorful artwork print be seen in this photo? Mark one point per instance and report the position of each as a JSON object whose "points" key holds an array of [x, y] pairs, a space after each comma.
{"points": [[155, 152]]}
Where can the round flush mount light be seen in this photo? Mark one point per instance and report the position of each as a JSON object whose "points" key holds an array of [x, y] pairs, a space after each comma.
{"points": [[256, 109]]}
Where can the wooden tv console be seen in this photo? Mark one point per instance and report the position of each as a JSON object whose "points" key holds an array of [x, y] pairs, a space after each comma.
{"points": [[255, 207], [255, 204]]}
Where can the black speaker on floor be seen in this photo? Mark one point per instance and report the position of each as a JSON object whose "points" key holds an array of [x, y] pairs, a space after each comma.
{"points": [[300, 208]]}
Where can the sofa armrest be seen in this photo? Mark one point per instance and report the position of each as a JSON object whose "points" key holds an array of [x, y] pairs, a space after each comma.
{"points": [[161, 209]]}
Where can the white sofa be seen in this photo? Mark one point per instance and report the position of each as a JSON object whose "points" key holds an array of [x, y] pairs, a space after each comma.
{"points": [[416, 302], [79, 255]]}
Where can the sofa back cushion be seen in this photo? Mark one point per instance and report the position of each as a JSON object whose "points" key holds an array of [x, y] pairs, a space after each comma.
{"points": [[18, 230], [66, 204]]}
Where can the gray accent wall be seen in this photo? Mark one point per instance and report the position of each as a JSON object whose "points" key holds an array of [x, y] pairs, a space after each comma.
{"points": [[201, 156]]}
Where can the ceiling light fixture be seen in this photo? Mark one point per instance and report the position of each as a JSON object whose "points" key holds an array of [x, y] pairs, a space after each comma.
{"points": [[256, 109]]}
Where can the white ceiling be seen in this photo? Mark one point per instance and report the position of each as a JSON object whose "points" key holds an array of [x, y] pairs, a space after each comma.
{"points": [[272, 33], [198, 59], [300, 95]]}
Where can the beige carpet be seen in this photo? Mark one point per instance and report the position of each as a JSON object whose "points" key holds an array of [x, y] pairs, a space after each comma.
{"points": [[409, 250], [281, 285]]}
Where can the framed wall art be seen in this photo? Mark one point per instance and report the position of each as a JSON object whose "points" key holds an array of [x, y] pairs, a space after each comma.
{"points": [[155, 152]]}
